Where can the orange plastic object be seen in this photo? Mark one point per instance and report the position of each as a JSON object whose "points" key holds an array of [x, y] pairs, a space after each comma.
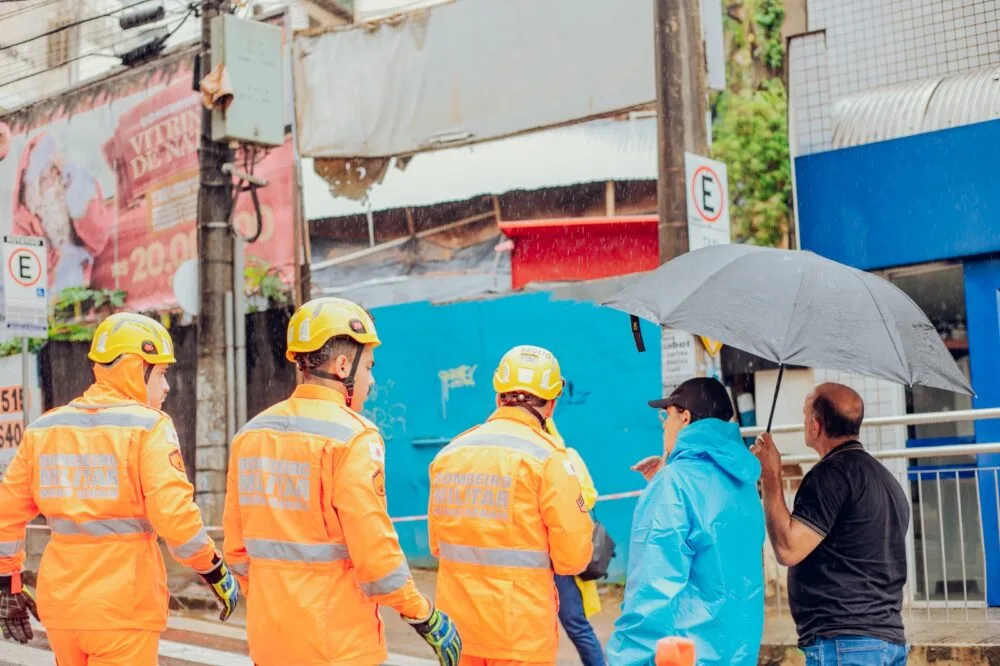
{"points": [[674, 651]]}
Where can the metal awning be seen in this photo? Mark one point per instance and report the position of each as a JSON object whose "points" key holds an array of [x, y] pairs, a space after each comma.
{"points": [[917, 107]]}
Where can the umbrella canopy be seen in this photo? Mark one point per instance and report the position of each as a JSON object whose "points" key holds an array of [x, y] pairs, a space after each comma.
{"points": [[796, 308]]}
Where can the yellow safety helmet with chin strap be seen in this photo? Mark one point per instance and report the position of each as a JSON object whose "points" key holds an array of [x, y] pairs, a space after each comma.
{"points": [[321, 319], [128, 333], [529, 369]]}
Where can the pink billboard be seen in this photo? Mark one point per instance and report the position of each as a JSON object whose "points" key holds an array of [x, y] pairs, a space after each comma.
{"points": [[110, 179]]}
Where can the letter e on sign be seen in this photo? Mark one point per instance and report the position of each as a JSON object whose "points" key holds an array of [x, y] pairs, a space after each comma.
{"points": [[25, 267]]}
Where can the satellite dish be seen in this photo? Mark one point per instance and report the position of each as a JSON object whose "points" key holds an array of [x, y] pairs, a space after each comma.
{"points": [[186, 287]]}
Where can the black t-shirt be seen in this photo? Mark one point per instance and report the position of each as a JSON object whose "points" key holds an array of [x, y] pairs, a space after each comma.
{"points": [[852, 583]]}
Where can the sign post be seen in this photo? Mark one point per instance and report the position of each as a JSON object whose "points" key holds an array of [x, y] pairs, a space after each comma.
{"points": [[26, 299], [707, 192]]}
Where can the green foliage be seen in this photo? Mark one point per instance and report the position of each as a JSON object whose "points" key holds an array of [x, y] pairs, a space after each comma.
{"points": [[264, 280], [750, 131], [770, 49], [72, 317], [751, 137]]}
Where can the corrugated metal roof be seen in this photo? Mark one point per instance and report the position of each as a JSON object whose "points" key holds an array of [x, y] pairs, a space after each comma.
{"points": [[589, 152], [917, 107]]}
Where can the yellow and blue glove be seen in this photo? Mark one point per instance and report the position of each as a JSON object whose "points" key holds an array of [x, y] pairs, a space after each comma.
{"points": [[16, 603], [224, 587], [440, 633]]}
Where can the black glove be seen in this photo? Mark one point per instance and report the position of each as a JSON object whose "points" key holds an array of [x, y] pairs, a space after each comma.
{"points": [[15, 604], [439, 632], [224, 587]]}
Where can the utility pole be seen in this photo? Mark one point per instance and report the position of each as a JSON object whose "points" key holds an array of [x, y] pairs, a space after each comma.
{"points": [[680, 108], [215, 253]]}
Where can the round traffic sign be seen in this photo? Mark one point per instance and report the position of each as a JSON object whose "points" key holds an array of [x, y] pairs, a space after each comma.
{"points": [[25, 267], [708, 194]]}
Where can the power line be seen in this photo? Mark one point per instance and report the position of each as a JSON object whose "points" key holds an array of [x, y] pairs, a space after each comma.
{"points": [[24, 10], [95, 53], [72, 24]]}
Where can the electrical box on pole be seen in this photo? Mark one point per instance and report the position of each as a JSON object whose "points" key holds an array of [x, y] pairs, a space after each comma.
{"points": [[251, 53]]}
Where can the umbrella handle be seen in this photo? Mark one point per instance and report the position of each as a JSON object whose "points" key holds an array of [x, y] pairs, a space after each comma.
{"points": [[774, 402]]}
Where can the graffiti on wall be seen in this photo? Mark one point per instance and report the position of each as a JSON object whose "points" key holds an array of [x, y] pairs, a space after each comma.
{"points": [[462, 376], [390, 417]]}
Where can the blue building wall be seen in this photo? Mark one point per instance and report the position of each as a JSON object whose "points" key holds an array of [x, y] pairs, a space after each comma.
{"points": [[982, 301], [921, 198], [918, 199], [603, 414]]}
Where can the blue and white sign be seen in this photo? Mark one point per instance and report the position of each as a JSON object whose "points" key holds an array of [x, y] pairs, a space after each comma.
{"points": [[25, 282]]}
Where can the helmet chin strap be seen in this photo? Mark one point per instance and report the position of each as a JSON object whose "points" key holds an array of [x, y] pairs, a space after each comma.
{"points": [[537, 414], [347, 381]]}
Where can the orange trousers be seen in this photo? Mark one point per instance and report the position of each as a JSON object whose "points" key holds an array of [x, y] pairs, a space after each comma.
{"points": [[117, 647], [469, 660]]}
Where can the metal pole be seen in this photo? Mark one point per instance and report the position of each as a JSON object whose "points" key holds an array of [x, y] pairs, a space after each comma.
{"points": [[25, 388], [215, 252], [240, 331], [680, 107], [230, 370]]}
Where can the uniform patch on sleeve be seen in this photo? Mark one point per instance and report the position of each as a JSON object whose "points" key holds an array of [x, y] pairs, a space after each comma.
{"points": [[377, 451], [569, 467], [378, 482], [580, 503], [176, 460]]}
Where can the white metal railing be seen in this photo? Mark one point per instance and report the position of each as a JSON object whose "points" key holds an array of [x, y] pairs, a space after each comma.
{"points": [[946, 540], [926, 418]]}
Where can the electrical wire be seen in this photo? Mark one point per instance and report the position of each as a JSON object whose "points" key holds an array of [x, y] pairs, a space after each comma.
{"points": [[23, 10], [95, 53], [73, 24]]}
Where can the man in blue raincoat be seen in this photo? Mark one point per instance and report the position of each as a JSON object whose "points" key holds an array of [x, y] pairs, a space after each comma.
{"points": [[695, 565]]}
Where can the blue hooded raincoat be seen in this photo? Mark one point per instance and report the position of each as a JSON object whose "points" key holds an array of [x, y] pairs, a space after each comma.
{"points": [[695, 565]]}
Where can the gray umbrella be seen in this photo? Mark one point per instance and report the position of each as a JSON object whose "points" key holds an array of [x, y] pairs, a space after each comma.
{"points": [[795, 308]]}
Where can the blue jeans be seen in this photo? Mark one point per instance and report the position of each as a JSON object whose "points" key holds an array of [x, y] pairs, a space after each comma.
{"points": [[576, 624], [855, 651]]}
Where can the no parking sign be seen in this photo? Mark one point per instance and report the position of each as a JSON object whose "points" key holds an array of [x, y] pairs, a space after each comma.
{"points": [[707, 195], [25, 286]]}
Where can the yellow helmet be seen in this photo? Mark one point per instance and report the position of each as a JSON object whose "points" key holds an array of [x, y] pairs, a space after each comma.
{"points": [[531, 370], [128, 333], [323, 318]]}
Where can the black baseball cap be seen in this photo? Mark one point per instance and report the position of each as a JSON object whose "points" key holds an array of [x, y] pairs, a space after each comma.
{"points": [[704, 397]]}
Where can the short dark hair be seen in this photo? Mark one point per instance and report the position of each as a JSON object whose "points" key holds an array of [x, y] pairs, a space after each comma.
{"points": [[520, 398], [333, 348], [834, 422]]}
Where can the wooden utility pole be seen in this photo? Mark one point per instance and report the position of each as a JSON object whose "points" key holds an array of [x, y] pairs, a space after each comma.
{"points": [[215, 253], [680, 107]]}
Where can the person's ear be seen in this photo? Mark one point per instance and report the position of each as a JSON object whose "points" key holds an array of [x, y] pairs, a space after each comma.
{"points": [[685, 417], [341, 366]]}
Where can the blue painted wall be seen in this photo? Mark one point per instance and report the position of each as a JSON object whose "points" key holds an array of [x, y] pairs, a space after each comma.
{"points": [[982, 301], [605, 418], [940, 192]]}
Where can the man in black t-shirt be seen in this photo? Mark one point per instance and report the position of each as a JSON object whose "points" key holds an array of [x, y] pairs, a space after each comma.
{"points": [[845, 540]]}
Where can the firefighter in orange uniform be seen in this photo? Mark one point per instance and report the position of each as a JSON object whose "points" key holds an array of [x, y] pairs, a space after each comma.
{"points": [[106, 472], [506, 511], [306, 526]]}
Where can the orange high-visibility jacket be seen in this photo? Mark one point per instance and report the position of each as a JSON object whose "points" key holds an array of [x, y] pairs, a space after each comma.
{"points": [[107, 473], [505, 512], [309, 537]]}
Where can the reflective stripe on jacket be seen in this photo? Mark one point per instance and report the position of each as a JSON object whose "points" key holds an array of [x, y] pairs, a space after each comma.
{"points": [[308, 534], [505, 511], [107, 473]]}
